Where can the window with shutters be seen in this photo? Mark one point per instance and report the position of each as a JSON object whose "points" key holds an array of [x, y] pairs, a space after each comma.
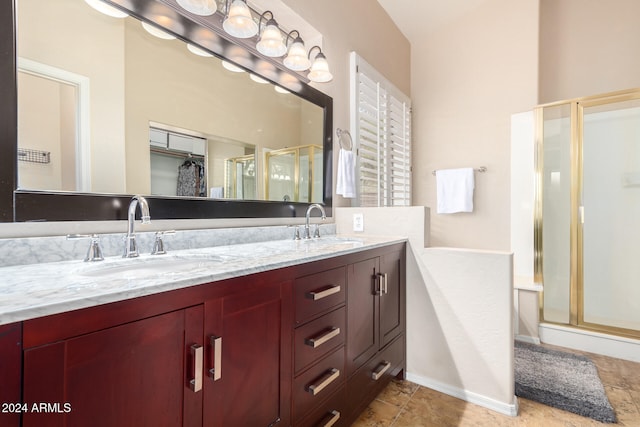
{"points": [[381, 125]]}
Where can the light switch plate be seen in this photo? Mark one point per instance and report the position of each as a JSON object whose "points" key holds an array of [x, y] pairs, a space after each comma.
{"points": [[358, 222]]}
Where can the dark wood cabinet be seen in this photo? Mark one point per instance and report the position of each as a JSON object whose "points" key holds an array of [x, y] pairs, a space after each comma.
{"points": [[245, 331], [376, 324], [220, 362], [306, 345], [131, 374]]}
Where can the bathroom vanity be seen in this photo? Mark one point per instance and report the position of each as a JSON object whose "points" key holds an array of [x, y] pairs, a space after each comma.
{"points": [[290, 333]]}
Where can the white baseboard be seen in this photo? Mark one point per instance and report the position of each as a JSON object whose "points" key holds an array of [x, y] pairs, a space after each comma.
{"points": [[528, 339], [510, 409], [592, 342]]}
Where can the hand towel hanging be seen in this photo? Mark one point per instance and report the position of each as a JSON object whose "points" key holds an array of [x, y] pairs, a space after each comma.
{"points": [[346, 180], [455, 190]]}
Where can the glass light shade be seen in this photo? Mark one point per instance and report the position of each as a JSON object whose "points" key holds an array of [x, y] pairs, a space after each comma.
{"points": [[199, 7], [271, 43], [320, 70], [107, 9], [239, 22], [258, 79], [156, 32], [281, 90], [232, 67], [297, 59], [198, 51]]}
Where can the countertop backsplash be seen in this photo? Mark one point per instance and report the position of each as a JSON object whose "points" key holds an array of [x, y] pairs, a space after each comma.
{"points": [[33, 250]]}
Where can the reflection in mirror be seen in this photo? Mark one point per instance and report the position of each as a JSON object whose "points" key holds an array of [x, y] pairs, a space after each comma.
{"points": [[108, 95]]}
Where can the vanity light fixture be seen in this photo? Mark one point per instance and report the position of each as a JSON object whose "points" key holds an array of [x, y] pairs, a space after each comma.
{"points": [[198, 51], [296, 59], [239, 21], [107, 9], [270, 43], [199, 7], [319, 72], [232, 67], [156, 32]]}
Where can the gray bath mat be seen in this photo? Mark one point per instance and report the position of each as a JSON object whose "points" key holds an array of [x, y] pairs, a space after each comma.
{"points": [[562, 380]]}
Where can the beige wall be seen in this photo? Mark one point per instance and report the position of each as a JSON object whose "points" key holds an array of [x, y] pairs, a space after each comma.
{"points": [[588, 47], [46, 37], [468, 77]]}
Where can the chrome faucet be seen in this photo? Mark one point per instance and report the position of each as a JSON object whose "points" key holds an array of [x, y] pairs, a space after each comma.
{"points": [[130, 246], [307, 232]]}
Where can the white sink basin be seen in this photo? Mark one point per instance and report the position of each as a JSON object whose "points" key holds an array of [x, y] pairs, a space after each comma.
{"points": [[161, 265]]}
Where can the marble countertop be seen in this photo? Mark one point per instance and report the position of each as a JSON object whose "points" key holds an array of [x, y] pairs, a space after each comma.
{"points": [[36, 290]]}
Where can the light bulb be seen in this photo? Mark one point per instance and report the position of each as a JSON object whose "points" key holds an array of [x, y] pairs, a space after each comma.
{"points": [[199, 7], [157, 32], [239, 22], [107, 9], [297, 59], [271, 43], [320, 70]]}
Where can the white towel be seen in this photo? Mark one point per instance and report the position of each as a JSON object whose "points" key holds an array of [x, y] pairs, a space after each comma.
{"points": [[455, 190], [346, 185]]}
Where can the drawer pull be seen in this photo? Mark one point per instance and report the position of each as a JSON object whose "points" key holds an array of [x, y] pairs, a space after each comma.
{"points": [[196, 353], [330, 419], [316, 295], [317, 342], [382, 368], [216, 351], [327, 379], [383, 284]]}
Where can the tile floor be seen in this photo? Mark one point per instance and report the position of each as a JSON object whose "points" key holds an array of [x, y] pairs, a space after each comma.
{"points": [[404, 404]]}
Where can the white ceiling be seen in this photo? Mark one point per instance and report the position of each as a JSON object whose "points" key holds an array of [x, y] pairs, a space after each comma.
{"points": [[418, 18]]}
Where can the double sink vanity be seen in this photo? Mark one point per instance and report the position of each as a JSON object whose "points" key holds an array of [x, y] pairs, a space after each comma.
{"points": [[277, 332], [286, 332]]}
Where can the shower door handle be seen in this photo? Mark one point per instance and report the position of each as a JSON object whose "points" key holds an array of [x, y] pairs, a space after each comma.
{"points": [[581, 214]]}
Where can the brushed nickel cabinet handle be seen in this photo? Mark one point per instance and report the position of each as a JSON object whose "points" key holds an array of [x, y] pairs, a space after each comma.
{"points": [[330, 419], [215, 373], [382, 287], [316, 295], [197, 353], [318, 341], [327, 379], [379, 372]]}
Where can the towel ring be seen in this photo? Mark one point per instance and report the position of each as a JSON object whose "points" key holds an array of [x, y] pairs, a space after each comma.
{"points": [[344, 139]]}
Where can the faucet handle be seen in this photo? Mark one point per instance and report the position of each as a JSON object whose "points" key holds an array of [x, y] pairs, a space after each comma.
{"points": [[296, 233], [94, 253], [158, 245], [316, 231]]}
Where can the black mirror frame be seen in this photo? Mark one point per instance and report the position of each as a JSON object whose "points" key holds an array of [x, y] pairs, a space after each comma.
{"points": [[25, 205]]}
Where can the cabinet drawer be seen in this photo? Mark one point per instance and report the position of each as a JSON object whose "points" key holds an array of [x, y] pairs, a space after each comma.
{"points": [[371, 378], [319, 337], [320, 292], [316, 384], [330, 413]]}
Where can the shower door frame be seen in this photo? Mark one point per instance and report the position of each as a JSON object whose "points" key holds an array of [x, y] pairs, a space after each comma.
{"points": [[576, 282]]}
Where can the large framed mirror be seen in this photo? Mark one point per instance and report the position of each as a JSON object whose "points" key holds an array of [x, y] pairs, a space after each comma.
{"points": [[96, 109]]}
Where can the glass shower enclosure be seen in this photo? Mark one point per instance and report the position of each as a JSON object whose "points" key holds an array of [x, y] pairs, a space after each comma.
{"points": [[587, 225]]}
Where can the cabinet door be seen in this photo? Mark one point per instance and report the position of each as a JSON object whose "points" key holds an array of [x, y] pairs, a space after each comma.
{"points": [[362, 312], [391, 297], [243, 359], [132, 374]]}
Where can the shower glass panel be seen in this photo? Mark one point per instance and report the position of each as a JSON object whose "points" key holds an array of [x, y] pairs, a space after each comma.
{"points": [[556, 212], [610, 214]]}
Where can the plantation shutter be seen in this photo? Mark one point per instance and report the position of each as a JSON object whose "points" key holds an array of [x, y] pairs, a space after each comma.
{"points": [[381, 123]]}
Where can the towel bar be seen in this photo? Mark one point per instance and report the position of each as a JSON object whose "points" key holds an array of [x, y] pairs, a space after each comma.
{"points": [[480, 169]]}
